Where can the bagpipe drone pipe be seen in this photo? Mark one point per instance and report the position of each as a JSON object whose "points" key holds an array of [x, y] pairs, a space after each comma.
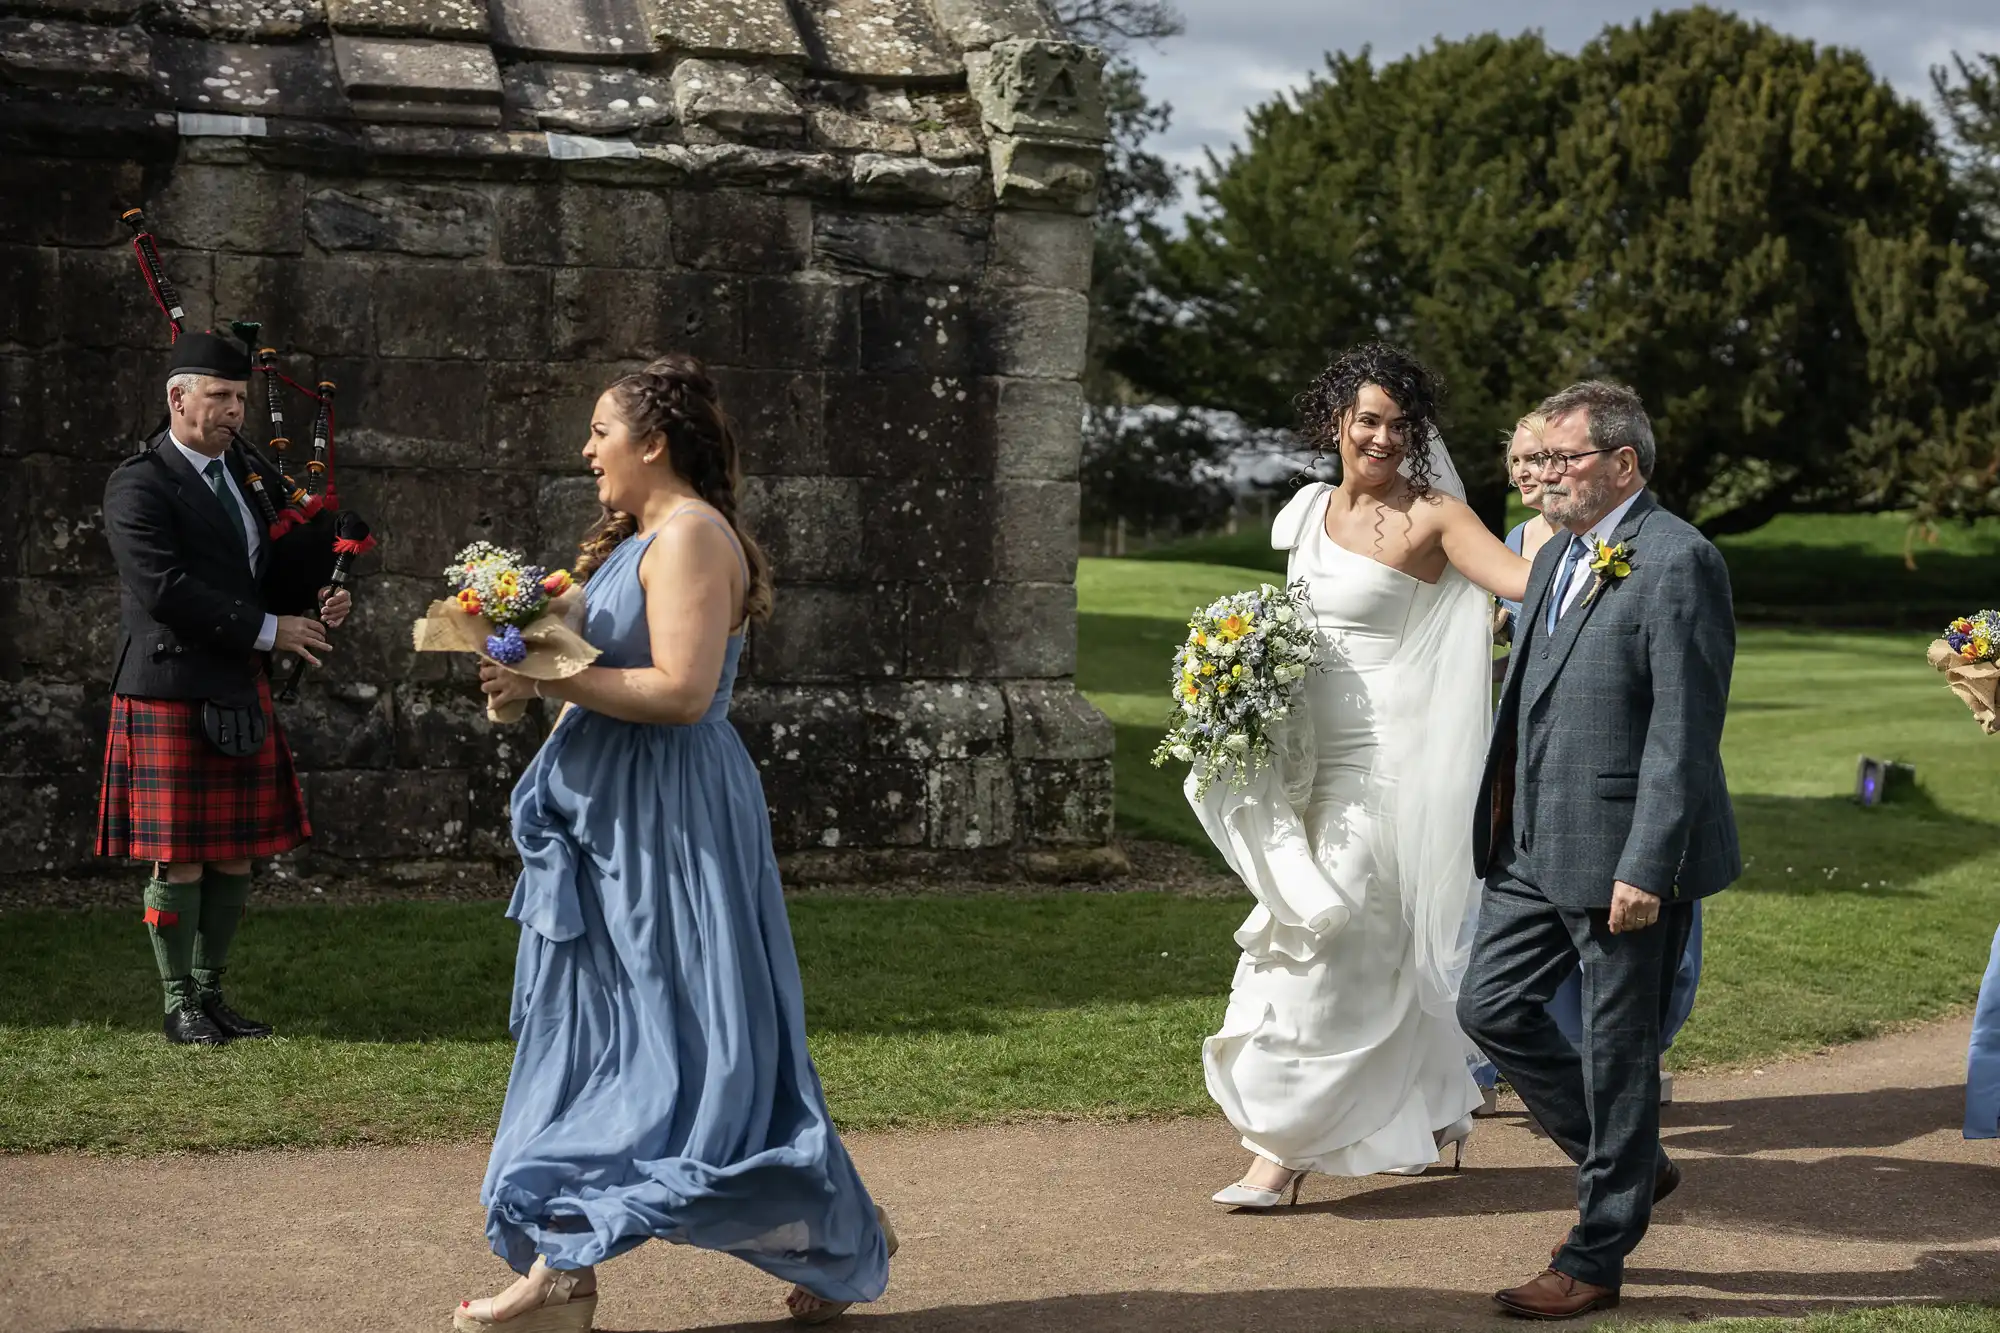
{"points": [[314, 542]]}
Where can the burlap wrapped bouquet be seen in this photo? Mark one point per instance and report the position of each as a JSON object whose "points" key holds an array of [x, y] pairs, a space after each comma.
{"points": [[510, 612], [1967, 656]]}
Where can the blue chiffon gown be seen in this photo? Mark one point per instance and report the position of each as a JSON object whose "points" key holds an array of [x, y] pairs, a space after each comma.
{"points": [[661, 1086], [1982, 1057]]}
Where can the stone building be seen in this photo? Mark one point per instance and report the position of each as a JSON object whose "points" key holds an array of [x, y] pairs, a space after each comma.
{"points": [[872, 216]]}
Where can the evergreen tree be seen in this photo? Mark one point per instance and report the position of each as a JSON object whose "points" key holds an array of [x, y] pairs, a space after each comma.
{"points": [[1745, 217], [1754, 231], [1406, 201], [1968, 95], [1933, 445]]}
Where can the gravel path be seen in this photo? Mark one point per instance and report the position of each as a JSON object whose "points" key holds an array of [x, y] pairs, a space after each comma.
{"points": [[1817, 1184]]}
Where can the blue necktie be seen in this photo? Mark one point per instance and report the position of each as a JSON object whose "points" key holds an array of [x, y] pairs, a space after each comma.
{"points": [[218, 483], [1571, 559]]}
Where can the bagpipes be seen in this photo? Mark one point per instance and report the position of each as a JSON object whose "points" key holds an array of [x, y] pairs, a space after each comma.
{"points": [[314, 542]]}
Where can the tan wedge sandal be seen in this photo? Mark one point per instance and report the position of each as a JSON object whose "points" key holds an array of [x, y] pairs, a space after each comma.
{"points": [[560, 1309], [826, 1311]]}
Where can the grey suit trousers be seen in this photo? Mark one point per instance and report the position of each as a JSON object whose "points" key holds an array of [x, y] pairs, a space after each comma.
{"points": [[1603, 1110]]}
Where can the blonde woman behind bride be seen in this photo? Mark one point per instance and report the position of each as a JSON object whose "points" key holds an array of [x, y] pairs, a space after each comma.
{"points": [[1340, 1052]]}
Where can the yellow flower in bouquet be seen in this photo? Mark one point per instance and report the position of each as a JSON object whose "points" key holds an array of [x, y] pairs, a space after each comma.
{"points": [[510, 612], [1968, 655], [1233, 681]]}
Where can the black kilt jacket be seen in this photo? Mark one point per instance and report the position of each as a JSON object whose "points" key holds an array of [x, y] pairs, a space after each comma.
{"points": [[189, 604]]}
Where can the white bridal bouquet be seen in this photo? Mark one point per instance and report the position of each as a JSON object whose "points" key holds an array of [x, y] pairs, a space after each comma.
{"points": [[1234, 678]]}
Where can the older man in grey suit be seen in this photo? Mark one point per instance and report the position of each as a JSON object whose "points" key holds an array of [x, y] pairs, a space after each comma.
{"points": [[1604, 817]]}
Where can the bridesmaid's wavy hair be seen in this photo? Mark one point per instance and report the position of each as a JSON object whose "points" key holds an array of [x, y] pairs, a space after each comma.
{"points": [[675, 397], [1324, 407]]}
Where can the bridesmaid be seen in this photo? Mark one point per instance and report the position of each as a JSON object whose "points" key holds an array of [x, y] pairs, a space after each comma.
{"points": [[661, 1086], [1982, 1057], [1528, 537]]}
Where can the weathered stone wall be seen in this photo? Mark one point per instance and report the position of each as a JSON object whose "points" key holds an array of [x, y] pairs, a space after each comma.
{"points": [[901, 355]]}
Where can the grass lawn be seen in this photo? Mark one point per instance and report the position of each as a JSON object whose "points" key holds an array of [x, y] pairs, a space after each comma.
{"points": [[922, 1012], [1885, 1319], [952, 1010]]}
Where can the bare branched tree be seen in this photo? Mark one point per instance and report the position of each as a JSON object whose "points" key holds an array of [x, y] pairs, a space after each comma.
{"points": [[1116, 25], [1137, 184], [1147, 471]]}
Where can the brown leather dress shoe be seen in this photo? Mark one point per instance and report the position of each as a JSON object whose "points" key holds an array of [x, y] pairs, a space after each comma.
{"points": [[1555, 1295]]}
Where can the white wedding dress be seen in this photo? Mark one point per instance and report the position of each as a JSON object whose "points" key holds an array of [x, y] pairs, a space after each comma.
{"points": [[1340, 1052]]}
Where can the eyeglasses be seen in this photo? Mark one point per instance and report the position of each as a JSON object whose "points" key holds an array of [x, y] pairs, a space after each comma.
{"points": [[1561, 463]]}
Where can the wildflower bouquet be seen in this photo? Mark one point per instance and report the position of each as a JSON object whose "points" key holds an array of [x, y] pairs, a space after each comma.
{"points": [[511, 612], [1969, 657], [1233, 678]]}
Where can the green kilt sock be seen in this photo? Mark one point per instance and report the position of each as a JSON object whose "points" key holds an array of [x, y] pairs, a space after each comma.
{"points": [[222, 899], [172, 914]]}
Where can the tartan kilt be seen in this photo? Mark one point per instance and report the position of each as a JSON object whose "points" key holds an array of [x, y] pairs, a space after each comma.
{"points": [[168, 795]]}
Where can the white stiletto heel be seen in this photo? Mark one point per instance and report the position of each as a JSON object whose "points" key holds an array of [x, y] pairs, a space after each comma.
{"points": [[1241, 1195], [1452, 1136], [1455, 1137]]}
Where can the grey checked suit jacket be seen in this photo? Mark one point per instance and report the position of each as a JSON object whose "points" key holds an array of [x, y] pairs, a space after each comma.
{"points": [[1610, 729]]}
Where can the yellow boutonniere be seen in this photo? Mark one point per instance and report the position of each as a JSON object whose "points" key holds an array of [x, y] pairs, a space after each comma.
{"points": [[1610, 564]]}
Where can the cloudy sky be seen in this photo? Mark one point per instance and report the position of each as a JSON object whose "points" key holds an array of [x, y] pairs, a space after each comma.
{"points": [[1237, 53]]}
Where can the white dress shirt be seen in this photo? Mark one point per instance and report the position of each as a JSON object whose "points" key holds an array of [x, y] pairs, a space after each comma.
{"points": [[253, 536], [1600, 532]]}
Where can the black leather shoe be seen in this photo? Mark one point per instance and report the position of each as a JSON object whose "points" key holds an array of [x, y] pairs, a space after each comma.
{"points": [[233, 1026], [189, 1026], [1666, 1182]]}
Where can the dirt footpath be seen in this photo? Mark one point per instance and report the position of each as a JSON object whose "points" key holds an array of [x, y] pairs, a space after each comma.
{"points": [[1827, 1182]]}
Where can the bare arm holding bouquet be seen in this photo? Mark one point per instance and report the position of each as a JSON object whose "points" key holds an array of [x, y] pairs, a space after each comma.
{"points": [[691, 577]]}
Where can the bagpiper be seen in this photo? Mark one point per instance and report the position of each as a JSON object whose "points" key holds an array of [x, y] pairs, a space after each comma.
{"points": [[198, 778]]}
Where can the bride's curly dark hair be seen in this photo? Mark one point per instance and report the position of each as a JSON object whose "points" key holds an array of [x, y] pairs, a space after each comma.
{"points": [[1415, 387]]}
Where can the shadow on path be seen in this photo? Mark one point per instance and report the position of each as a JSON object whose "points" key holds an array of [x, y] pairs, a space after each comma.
{"points": [[1936, 1277], [1879, 1119], [1888, 1199]]}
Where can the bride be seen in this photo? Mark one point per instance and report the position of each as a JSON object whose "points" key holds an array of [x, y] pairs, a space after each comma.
{"points": [[1339, 1052]]}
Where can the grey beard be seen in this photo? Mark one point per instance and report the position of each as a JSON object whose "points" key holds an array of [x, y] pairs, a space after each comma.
{"points": [[1575, 502]]}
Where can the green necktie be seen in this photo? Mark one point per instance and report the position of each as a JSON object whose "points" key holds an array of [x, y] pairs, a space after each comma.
{"points": [[220, 485]]}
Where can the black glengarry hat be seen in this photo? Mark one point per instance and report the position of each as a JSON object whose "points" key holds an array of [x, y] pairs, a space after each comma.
{"points": [[209, 354]]}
